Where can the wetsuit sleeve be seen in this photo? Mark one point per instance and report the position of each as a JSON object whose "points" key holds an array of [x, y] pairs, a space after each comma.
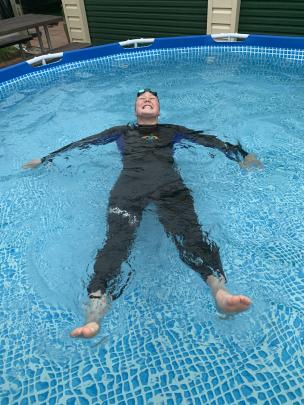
{"points": [[102, 138], [233, 152]]}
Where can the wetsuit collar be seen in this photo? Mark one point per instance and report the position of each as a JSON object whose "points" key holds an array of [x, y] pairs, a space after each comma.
{"points": [[146, 126]]}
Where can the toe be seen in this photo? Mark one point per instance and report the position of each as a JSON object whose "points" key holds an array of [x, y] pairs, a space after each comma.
{"points": [[245, 300], [76, 332], [90, 330], [86, 331], [232, 303]]}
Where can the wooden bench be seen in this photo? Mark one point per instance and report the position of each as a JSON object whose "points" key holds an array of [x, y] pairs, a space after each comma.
{"points": [[13, 39]]}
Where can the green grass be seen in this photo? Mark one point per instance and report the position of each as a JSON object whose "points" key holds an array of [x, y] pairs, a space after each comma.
{"points": [[9, 53]]}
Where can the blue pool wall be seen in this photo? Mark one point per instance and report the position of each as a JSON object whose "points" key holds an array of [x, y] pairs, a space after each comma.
{"points": [[160, 43]]}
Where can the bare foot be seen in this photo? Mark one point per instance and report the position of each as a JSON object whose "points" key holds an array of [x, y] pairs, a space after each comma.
{"points": [[96, 309], [87, 331], [231, 303], [32, 164]]}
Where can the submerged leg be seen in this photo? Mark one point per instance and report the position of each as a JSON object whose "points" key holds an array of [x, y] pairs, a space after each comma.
{"points": [[177, 214], [123, 221]]}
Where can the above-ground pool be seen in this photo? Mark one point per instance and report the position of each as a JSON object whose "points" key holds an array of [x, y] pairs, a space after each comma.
{"points": [[163, 341]]}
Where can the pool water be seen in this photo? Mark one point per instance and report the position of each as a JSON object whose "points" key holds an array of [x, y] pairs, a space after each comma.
{"points": [[162, 342]]}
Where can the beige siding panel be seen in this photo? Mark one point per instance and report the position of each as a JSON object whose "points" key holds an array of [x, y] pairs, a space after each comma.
{"points": [[77, 34], [17, 8], [223, 16], [76, 20], [220, 29], [222, 4]]}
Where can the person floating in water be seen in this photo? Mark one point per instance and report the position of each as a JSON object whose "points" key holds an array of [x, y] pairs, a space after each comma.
{"points": [[149, 175]]}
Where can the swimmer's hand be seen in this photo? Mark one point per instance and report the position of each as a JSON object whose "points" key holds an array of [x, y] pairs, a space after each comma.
{"points": [[32, 164], [251, 162]]}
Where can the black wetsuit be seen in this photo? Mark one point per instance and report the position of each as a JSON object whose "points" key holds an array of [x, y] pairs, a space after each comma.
{"points": [[149, 175]]}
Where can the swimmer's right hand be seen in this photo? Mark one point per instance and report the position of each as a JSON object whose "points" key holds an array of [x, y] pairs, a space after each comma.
{"points": [[32, 164]]}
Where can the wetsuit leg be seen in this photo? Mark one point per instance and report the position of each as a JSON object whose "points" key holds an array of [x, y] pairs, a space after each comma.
{"points": [[177, 214], [124, 215]]}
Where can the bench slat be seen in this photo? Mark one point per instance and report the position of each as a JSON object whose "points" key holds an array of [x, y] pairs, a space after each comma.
{"points": [[8, 40]]}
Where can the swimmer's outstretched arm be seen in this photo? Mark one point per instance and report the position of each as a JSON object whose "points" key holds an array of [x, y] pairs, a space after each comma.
{"points": [[233, 152], [101, 138]]}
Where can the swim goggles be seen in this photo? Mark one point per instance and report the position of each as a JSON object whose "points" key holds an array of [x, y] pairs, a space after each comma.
{"points": [[142, 91]]}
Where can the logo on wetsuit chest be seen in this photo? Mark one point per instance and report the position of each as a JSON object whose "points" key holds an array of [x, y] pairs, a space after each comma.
{"points": [[150, 138]]}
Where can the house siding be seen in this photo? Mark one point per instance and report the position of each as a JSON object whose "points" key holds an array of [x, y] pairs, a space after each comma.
{"points": [[275, 17], [117, 20]]}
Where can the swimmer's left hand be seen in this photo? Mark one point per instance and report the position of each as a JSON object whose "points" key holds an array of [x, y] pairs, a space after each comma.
{"points": [[251, 162]]}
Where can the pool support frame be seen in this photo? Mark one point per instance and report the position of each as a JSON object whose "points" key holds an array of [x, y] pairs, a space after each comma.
{"points": [[26, 68]]}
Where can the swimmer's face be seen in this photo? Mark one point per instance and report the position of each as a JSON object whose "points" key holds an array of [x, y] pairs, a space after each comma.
{"points": [[147, 106]]}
